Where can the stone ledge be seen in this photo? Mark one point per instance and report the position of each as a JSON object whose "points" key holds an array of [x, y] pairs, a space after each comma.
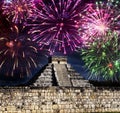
{"points": [[26, 88]]}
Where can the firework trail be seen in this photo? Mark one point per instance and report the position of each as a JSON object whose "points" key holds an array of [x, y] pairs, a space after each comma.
{"points": [[99, 18], [19, 56], [102, 58], [55, 25], [17, 11]]}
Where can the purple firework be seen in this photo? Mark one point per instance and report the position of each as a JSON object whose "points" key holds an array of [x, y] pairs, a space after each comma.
{"points": [[98, 19], [55, 25], [17, 10], [19, 56]]}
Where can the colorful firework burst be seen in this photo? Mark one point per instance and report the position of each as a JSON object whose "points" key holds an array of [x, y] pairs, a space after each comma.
{"points": [[98, 18], [102, 58], [17, 10], [19, 57], [55, 26]]}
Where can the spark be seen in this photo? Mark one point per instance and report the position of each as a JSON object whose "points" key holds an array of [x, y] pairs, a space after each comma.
{"points": [[55, 25], [97, 19], [17, 11]]}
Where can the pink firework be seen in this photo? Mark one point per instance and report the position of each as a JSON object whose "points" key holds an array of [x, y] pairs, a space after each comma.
{"points": [[17, 11], [55, 25], [99, 18]]}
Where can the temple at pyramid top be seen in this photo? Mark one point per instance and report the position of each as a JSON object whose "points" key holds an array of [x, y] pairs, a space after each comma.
{"points": [[59, 60]]}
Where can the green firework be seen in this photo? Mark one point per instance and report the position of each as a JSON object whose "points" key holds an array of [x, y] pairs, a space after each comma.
{"points": [[102, 57]]}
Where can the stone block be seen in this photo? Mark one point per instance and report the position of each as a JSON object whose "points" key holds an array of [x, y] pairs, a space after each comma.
{"points": [[55, 106], [34, 111], [36, 108]]}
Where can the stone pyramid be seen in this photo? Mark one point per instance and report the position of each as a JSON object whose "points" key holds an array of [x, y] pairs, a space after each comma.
{"points": [[60, 73]]}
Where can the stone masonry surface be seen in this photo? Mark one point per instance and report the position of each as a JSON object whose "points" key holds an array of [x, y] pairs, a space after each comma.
{"points": [[59, 100]]}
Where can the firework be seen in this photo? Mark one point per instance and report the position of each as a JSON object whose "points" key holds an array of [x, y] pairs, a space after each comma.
{"points": [[19, 56], [17, 10], [55, 26], [99, 18], [102, 58]]}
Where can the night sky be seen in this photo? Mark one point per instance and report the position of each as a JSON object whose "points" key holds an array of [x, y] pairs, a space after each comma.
{"points": [[74, 59]]}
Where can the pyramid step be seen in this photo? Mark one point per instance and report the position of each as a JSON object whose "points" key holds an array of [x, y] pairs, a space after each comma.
{"points": [[80, 83]]}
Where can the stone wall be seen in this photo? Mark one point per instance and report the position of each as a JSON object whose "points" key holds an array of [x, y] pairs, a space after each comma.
{"points": [[59, 100]]}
